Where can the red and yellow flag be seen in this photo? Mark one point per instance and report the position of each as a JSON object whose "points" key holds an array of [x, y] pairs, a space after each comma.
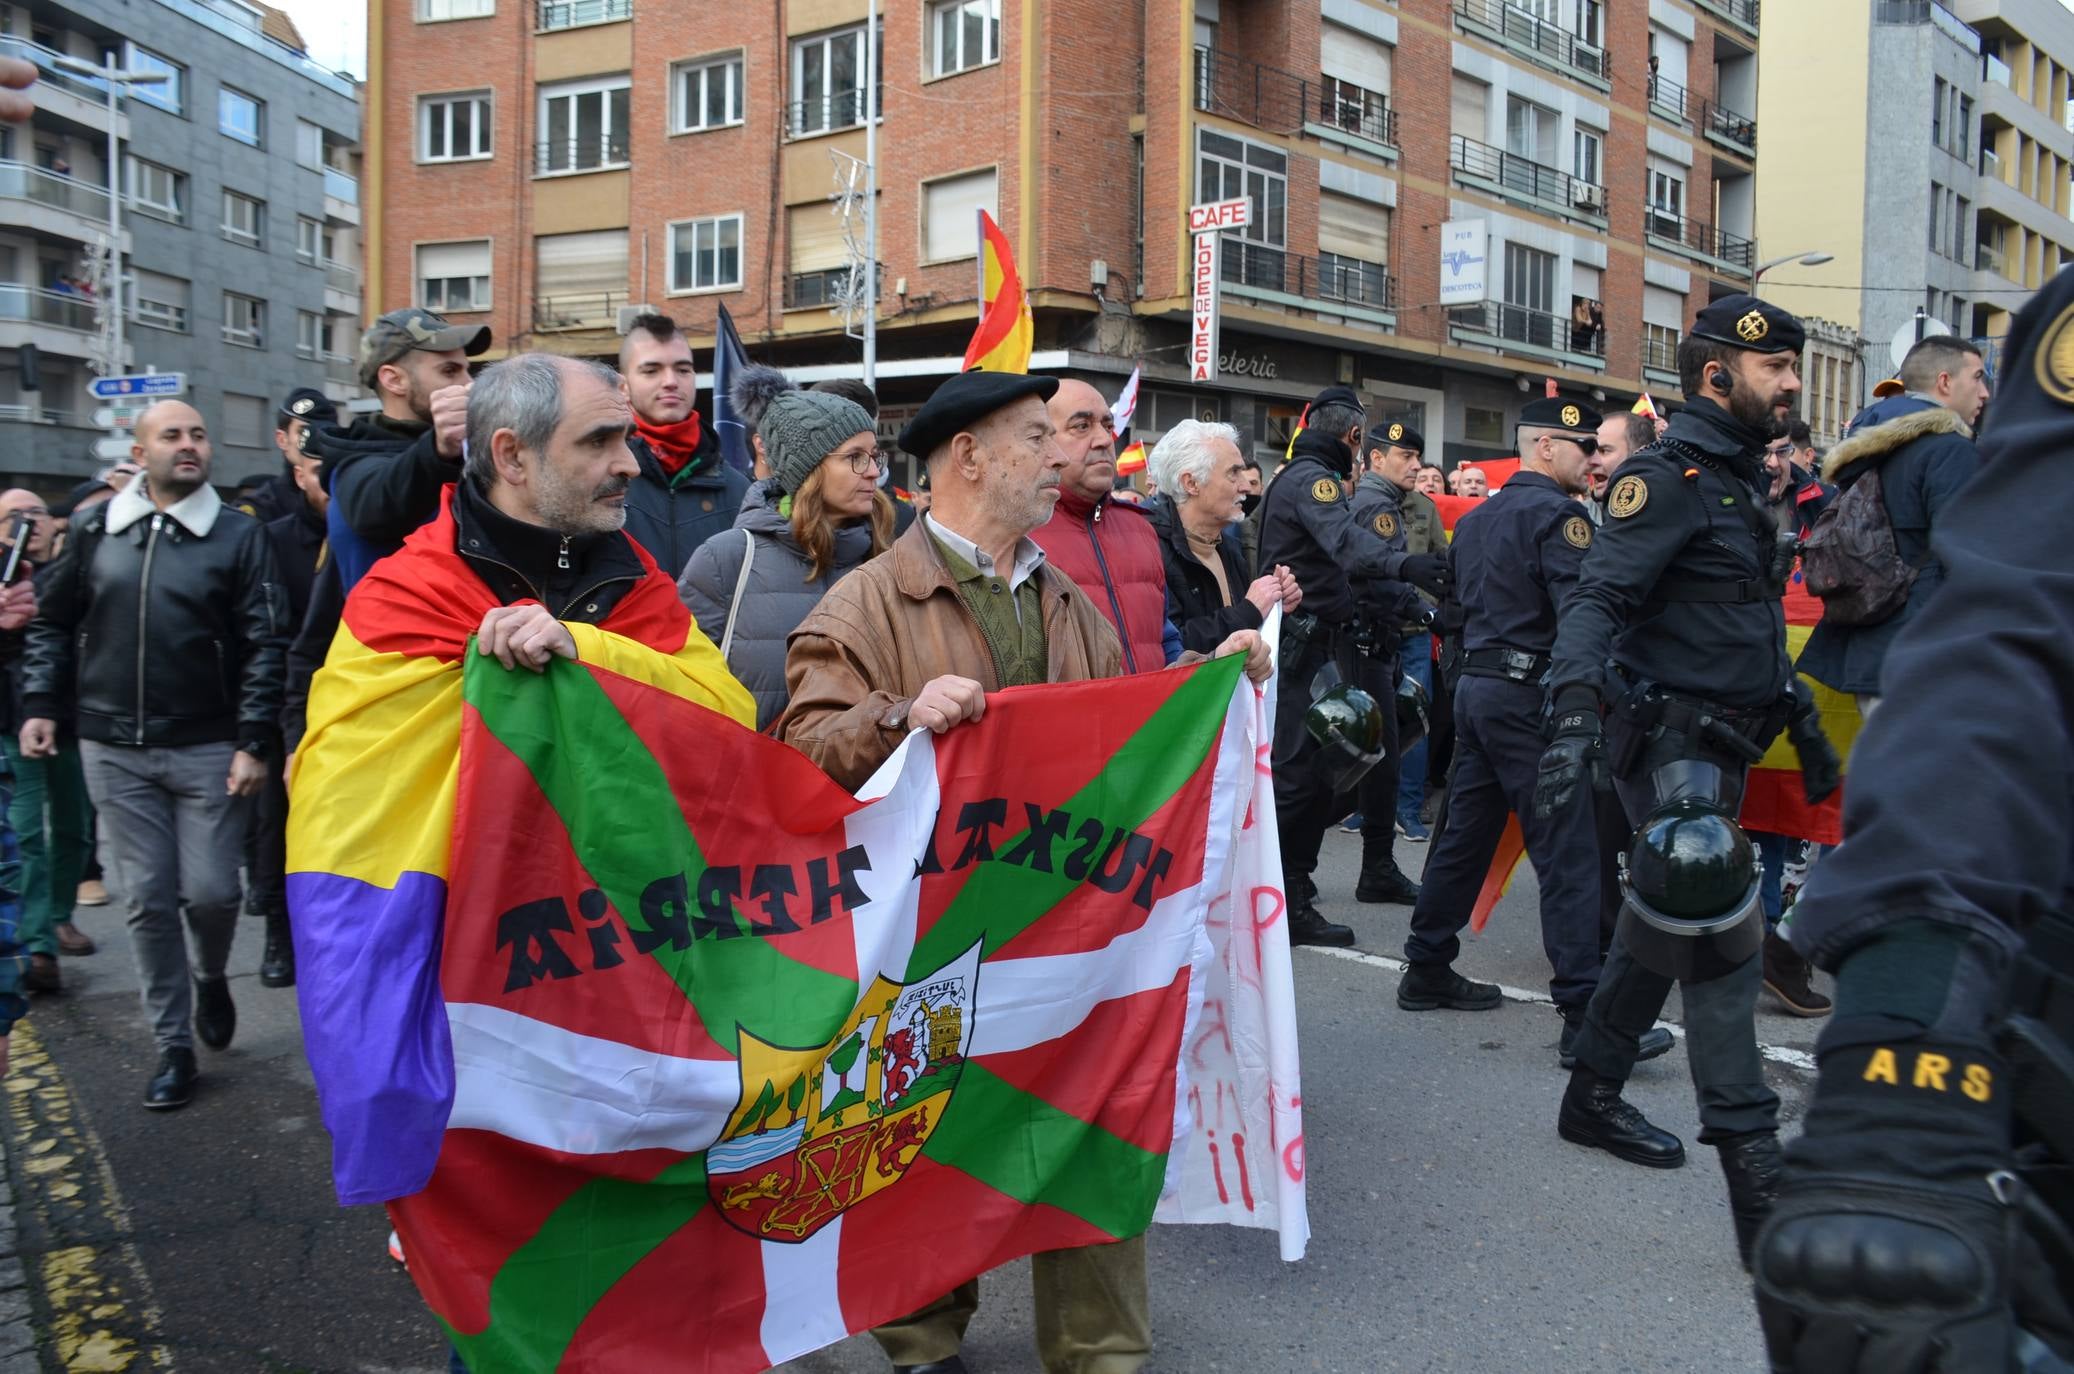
{"points": [[1773, 799], [1002, 341], [1131, 460]]}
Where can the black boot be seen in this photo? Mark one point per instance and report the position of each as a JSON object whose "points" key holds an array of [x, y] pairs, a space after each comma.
{"points": [[1595, 1114], [277, 963], [1383, 881], [173, 1085], [215, 1015], [1788, 978], [1308, 927], [1752, 1164], [1649, 1044], [1426, 987]]}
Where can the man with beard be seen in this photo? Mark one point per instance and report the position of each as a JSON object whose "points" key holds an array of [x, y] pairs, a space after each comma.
{"points": [[685, 494], [1681, 597], [162, 624]]}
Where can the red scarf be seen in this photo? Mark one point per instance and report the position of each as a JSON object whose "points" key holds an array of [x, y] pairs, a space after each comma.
{"points": [[673, 445]]}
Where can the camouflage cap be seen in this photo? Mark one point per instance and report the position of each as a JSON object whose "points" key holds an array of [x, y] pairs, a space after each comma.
{"points": [[403, 331]]}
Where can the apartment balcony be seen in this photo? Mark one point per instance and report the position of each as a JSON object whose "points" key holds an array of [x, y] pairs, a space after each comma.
{"points": [[1548, 45], [79, 100], [1726, 128], [340, 369], [1519, 330], [57, 322], [1523, 181], [595, 310], [59, 206], [826, 289], [1327, 285], [1264, 97], [550, 15], [1350, 109], [341, 287], [1668, 99], [341, 197], [1739, 12], [50, 443], [1729, 254], [830, 113]]}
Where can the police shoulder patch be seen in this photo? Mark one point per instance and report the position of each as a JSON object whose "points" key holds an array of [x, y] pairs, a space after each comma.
{"points": [[2055, 362], [1386, 524], [1629, 495], [1325, 491], [1578, 531]]}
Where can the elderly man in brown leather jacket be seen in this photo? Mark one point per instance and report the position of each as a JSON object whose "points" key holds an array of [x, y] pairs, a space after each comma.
{"points": [[961, 605]]}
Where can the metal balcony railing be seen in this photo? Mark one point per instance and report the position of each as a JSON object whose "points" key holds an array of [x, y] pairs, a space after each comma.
{"points": [[1724, 123], [1358, 110], [341, 186], [1898, 11], [1327, 277], [22, 302], [50, 74], [836, 110], [1744, 12], [1265, 97], [591, 154], [1701, 237], [339, 277], [340, 368], [572, 14], [1659, 355], [825, 288], [1989, 259], [1523, 176], [1518, 324], [1667, 97], [584, 311], [41, 415], [1528, 31], [20, 181]]}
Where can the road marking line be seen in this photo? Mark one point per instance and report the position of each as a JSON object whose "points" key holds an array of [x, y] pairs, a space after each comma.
{"points": [[1778, 1054], [63, 1166]]}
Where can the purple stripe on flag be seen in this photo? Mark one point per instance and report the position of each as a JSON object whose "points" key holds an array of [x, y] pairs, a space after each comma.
{"points": [[374, 1026]]}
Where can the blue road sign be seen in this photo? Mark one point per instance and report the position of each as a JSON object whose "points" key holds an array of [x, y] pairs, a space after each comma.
{"points": [[139, 384]]}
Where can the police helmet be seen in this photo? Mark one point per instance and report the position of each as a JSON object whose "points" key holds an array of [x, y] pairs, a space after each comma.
{"points": [[1414, 713], [1689, 891], [1347, 721]]}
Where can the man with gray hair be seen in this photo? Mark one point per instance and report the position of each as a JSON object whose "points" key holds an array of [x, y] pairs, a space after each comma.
{"points": [[1210, 588]]}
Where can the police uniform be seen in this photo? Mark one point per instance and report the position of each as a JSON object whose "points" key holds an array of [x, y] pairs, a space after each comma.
{"points": [[1681, 596], [1517, 557], [1307, 525], [1941, 1131]]}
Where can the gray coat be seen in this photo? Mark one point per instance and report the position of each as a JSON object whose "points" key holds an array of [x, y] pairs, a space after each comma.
{"points": [[777, 598]]}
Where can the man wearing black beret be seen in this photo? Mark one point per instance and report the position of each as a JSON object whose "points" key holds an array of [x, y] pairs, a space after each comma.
{"points": [[1676, 633], [964, 604]]}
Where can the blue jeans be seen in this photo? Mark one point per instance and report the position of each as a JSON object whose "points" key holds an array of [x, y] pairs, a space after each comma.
{"points": [[1415, 660], [453, 1362], [1771, 881]]}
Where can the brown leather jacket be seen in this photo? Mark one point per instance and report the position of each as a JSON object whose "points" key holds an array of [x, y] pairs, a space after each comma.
{"points": [[855, 664]]}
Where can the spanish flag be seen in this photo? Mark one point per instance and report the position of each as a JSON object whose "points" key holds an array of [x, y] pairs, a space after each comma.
{"points": [[1773, 798], [1002, 341], [1131, 460]]}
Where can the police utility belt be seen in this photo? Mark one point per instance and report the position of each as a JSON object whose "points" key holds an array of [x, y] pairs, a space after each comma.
{"points": [[1744, 732], [1512, 665]]}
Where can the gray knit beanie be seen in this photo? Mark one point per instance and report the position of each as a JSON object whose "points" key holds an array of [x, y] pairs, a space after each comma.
{"points": [[801, 428]]}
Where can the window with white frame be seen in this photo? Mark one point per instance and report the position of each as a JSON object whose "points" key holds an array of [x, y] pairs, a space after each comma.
{"points": [[583, 125], [1228, 168], [454, 128], [155, 190], [244, 420], [963, 34], [828, 81], [244, 218], [244, 320], [1529, 278], [706, 254], [161, 301], [1585, 148], [706, 93], [579, 278], [455, 9], [454, 277], [170, 94], [950, 214], [1667, 202], [240, 116], [309, 239], [309, 334]]}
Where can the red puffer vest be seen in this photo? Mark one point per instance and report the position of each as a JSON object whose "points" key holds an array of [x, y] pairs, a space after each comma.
{"points": [[1112, 553]]}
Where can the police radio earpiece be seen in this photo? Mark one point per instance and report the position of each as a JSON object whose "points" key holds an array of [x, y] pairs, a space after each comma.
{"points": [[1722, 382]]}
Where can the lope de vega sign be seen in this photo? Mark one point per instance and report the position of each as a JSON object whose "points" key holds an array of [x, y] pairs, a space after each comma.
{"points": [[1207, 224]]}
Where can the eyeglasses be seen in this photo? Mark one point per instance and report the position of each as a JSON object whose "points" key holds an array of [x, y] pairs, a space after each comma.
{"points": [[1780, 450], [865, 464]]}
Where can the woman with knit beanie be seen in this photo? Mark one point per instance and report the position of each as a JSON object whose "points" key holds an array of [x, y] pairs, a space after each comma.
{"points": [[819, 514]]}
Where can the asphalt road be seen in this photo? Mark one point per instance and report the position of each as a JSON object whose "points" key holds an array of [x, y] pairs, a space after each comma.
{"points": [[1452, 1229]]}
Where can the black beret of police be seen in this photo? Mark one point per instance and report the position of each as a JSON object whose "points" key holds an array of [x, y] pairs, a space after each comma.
{"points": [[1747, 322], [966, 399], [307, 403], [1397, 434], [1553, 412], [1335, 396]]}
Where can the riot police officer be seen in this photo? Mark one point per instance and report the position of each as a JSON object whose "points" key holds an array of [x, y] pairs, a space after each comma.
{"points": [[1680, 595], [1924, 1221], [1307, 525], [1517, 557]]}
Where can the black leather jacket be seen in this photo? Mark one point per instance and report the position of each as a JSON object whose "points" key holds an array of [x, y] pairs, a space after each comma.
{"points": [[160, 636]]}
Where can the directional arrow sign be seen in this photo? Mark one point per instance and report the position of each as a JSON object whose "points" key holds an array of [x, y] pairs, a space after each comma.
{"points": [[139, 384], [116, 417], [111, 449]]}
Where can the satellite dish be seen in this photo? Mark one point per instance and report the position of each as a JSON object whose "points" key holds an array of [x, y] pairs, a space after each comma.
{"points": [[1905, 337]]}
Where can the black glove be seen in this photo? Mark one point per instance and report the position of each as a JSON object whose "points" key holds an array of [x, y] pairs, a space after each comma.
{"points": [[1429, 572], [1821, 769], [1576, 755], [1897, 1242]]}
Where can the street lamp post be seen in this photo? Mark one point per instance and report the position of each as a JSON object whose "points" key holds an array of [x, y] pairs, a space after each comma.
{"points": [[1802, 259], [113, 76]]}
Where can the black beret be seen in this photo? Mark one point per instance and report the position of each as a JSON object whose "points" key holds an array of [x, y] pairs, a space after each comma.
{"points": [[1399, 434], [1335, 396], [1553, 412], [307, 403], [964, 399], [1749, 323]]}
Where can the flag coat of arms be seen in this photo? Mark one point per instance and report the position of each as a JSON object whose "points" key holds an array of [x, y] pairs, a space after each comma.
{"points": [[718, 1064]]}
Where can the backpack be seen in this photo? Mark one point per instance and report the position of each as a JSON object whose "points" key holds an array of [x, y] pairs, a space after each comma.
{"points": [[1851, 561]]}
